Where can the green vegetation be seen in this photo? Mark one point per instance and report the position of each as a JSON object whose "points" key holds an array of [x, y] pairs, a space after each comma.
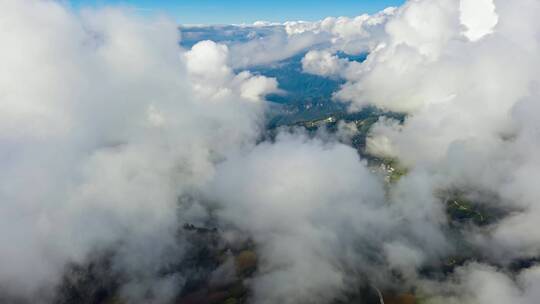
{"points": [[462, 210], [397, 171], [393, 169], [231, 301], [305, 96]]}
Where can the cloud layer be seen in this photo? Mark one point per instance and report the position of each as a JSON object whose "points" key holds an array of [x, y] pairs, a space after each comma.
{"points": [[466, 73], [107, 124]]}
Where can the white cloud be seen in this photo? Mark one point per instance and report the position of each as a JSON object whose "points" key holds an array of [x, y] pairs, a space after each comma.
{"points": [[478, 16], [105, 121], [323, 63], [309, 206], [350, 35]]}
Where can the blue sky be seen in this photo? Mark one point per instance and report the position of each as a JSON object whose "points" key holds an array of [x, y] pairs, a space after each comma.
{"points": [[247, 11]]}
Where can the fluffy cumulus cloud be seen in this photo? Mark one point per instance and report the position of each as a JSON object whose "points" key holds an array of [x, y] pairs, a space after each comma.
{"points": [[479, 17], [323, 221], [307, 204], [465, 73], [349, 35], [468, 120], [107, 125], [323, 63], [215, 80], [105, 121]]}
